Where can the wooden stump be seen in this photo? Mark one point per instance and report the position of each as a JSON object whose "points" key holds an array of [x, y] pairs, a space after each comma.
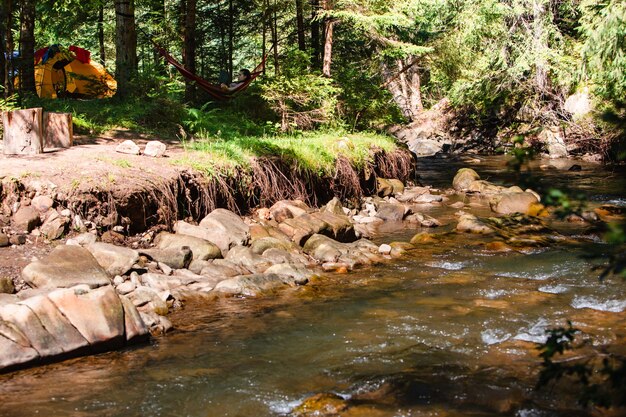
{"points": [[58, 130], [23, 131]]}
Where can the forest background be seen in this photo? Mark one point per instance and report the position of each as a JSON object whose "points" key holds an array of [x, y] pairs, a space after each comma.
{"points": [[504, 67]]}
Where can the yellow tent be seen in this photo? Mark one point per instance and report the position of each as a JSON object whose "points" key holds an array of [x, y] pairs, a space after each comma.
{"points": [[63, 75]]}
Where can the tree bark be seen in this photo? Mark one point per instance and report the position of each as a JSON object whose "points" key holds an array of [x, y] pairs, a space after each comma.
{"points": [[404, 83], [300, 25], [329, 25], [27, 46], [101, 33], [540, 45], [274, 27], [189, 46], [231, 36], [3, 52], [8, 46], [315, 35], [157, 16], [125, 45]]}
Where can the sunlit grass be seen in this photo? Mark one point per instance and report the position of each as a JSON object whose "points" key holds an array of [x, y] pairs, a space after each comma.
{"points": [[316, 152]]}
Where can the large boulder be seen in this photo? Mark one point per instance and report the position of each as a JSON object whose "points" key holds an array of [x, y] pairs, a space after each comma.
{"points": [[337, 226], [27, 322], [66, 266], [221, 227], [300, 228], [202, 249], [471, 224], [323, 248], [56, 323], [175, 258], [97, 314], [26, 219], [244, 256], [116, 260], [390, 212], [66, 322], [509, 203], [554, 143], [464, 178], [288, 209], [259, 246], [55, 226]]}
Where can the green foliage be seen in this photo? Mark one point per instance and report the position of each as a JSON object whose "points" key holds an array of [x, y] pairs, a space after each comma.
{"points": [[159, 115], [301, 99], [604, 28]]}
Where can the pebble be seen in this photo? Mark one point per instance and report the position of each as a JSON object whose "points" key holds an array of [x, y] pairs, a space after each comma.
{"points": [[118, 280], [66, 213], [384, 249]]}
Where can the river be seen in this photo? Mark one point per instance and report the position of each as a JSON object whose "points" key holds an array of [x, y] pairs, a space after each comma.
{"points": [[448, 330]]}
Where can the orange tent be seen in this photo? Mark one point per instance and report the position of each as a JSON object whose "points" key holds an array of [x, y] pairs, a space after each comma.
{"points": [[58, 72]]}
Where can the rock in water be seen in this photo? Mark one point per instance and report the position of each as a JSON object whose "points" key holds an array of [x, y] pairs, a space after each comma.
{"points": [[464, 178], [64, 267], [509, 203]]}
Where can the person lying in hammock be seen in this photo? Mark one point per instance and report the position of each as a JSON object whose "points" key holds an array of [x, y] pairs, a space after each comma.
{"points": [[243, 76]]}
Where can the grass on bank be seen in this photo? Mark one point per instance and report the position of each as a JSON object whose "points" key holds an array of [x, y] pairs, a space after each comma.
{"points": [[315, 152], [220, 139]]}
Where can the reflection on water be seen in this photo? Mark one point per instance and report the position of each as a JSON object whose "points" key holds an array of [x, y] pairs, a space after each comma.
{"points": [[449, 330]]}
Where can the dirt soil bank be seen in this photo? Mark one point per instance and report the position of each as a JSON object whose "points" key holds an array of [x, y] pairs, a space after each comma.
{"points": [[133, 193]]}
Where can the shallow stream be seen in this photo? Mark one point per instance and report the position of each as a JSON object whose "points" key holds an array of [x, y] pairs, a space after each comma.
{"points": [[448, 330]]}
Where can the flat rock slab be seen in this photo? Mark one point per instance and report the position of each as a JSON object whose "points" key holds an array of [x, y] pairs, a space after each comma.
{"points": [[27, 322], [56, 323], [250, 285], [66, 322], [98, 314], [66, 266], [116, 260]]}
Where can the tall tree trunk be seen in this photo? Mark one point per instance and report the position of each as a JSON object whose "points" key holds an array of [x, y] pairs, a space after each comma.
{"points": [[328, 46], [315, 34], [264, 39], [329, 24], [540, 45], [3, 52], [275, 37], [8, 46], [125, 45], [231, 36], [300, 25], [27, 46], [157, 17], [101, 33], [404, 83], [189, 46]]}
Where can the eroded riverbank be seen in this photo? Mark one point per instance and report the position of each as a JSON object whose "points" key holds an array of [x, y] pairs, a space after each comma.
{"points": [[456, 278]]}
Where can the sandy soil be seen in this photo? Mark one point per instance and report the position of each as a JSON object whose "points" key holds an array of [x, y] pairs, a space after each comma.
{"points": [[91, 162]]}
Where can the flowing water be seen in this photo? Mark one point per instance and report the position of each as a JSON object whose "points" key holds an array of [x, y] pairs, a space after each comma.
{"points": [[448, 330]]}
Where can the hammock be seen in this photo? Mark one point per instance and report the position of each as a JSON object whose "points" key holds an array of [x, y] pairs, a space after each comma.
{"points": [[214, 90]]}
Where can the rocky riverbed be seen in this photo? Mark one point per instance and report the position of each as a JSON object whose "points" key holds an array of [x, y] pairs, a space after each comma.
{"points": [[99, 291]]}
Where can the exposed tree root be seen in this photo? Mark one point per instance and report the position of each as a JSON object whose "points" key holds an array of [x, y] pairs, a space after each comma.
{"points": [[144, 200]]}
